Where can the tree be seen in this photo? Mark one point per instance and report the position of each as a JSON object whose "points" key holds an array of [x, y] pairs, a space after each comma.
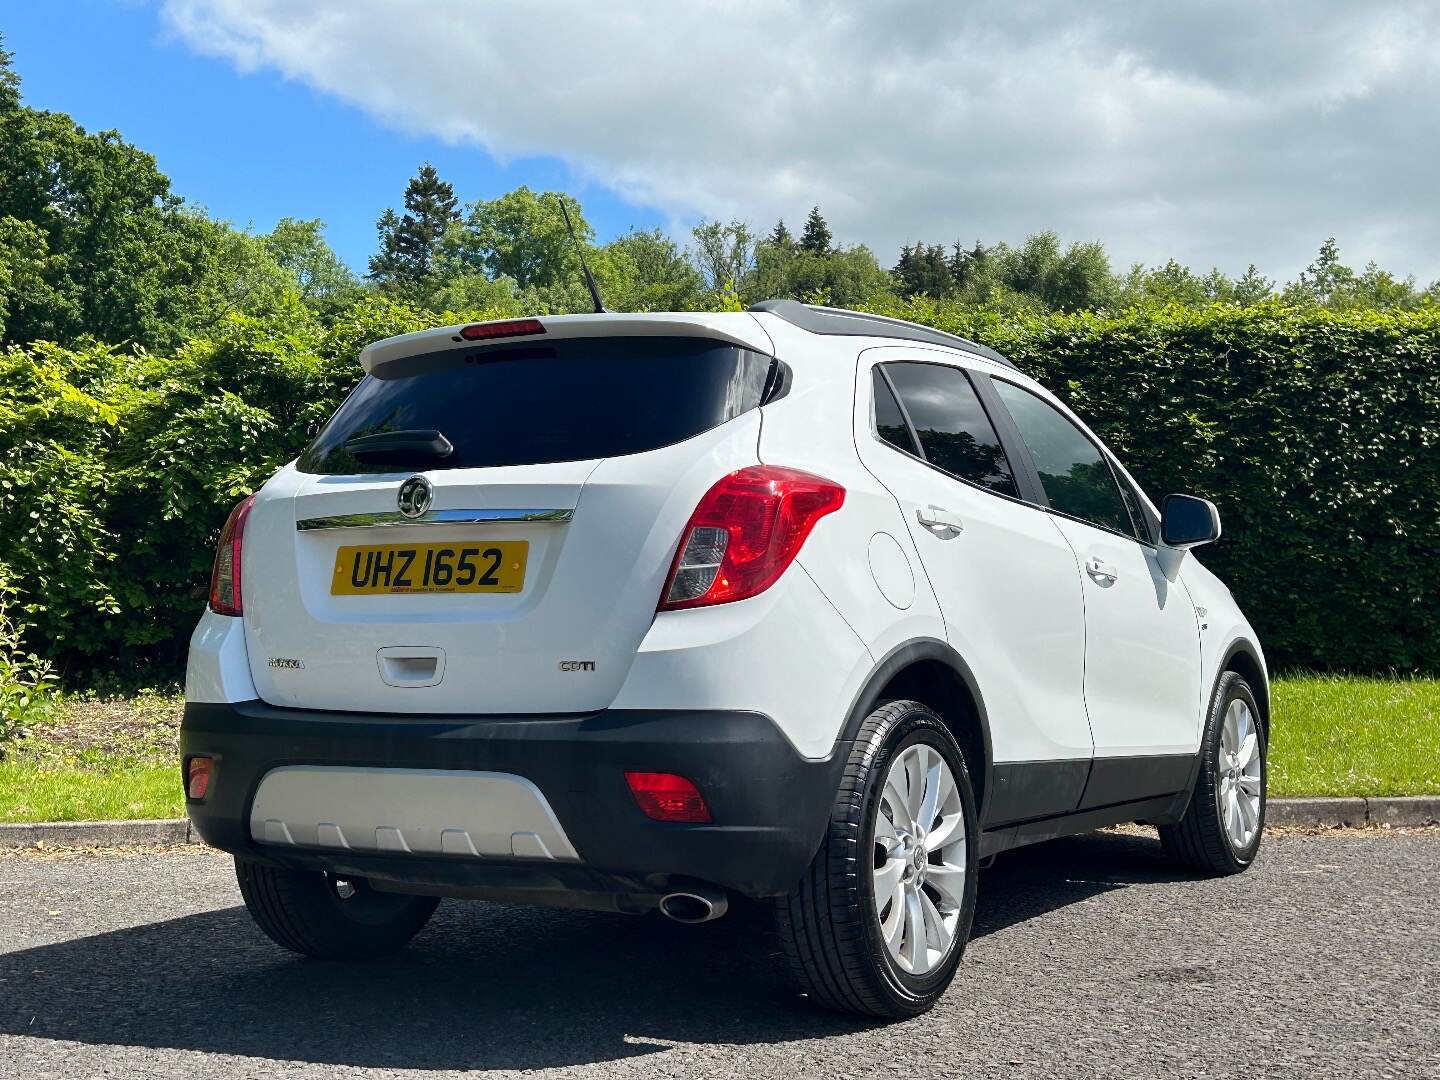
{"points": [[24, 263], [816, 239], [1324, 281], [647, 271], [924, 271], [1252, 287], [780, 236], [522, 236], [904, 271], [409, 242], [1065, 279], [959, 264], [724, 254], [105, 250], [1329, 283], [321, 277], [845, 277]]}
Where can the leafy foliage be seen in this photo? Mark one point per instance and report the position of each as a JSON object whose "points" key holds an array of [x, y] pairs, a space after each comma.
{"points": [[322, 280], [117, 468], [93, 244], [28, 689]]}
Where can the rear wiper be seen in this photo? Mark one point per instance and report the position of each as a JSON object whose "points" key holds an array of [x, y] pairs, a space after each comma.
{"points": [[425, 441]]}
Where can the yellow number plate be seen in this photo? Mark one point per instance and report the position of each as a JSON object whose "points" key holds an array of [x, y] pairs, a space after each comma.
{"points": [[467, 567]]}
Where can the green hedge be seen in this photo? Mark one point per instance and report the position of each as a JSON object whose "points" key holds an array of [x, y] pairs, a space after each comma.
{"points": [[1316, 434], [117, 470]]}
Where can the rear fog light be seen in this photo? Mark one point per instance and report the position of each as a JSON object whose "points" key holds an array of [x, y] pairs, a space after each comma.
{"points": [[198, 772], [668, 797]]}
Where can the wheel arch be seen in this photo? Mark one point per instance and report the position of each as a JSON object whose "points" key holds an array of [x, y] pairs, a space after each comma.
{"points": [[1243, 658], [931, 672]]}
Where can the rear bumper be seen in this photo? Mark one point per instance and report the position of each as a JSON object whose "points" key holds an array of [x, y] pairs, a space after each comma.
{"points": [[770, 805]]}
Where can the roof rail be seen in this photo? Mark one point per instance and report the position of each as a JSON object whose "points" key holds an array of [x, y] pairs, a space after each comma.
{"points": [[841, 322]]}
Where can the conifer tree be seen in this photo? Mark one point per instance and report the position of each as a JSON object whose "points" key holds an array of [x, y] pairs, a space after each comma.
{"points": [[905, 271], [408, 242], [816, 239], [959, 264]]}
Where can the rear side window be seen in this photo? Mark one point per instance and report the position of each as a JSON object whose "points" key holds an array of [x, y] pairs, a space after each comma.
{"points": [[1074, 473], [889, 420], [570, 400], [954, 432]]}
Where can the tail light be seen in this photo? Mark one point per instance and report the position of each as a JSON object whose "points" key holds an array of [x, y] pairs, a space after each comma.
{"points": [[225, 596], [747, 529], [665, 796]]}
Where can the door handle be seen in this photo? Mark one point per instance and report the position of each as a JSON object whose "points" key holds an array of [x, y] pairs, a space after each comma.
{"points": [[1102, 572], [939, 521]]}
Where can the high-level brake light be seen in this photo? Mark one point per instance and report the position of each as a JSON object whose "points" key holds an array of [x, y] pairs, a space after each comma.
{"points": [[508, 328], [747, 529]]}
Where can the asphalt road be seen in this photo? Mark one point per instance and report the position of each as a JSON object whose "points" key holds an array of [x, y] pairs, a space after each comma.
{"points": [[1091, 957]]}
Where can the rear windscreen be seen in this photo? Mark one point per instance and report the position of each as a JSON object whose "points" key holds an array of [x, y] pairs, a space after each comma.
{"points": [[569, 400]]}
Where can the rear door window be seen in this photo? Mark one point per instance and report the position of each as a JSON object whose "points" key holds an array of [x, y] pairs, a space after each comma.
{"points": [[1074, 473], [954, 432], [569, 400]]}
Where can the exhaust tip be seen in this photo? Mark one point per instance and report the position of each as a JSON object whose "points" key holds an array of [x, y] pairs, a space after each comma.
{"points": [[694, 907]]}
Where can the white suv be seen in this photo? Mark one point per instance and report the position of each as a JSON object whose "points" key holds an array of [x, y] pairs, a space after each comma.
{"points": [[638, 612]]}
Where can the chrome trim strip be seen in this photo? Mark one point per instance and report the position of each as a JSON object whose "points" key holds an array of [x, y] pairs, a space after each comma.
{"points": [[393, 518]]}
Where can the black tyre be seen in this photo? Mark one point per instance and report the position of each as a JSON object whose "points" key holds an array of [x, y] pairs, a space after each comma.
{"points": [[319, 915], [1222, 829], [879, 922]]}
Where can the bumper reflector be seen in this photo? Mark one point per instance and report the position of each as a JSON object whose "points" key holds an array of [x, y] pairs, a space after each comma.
{"points": [[667, 797], [198, 771]]}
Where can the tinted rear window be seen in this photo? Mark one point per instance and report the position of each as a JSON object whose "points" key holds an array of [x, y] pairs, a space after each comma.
{"points": [[569, 400], [889, 421], [952, 426]]}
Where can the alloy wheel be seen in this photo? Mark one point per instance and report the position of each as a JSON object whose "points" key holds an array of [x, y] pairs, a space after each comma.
{"points": [[1238, 775], [919, 859]]}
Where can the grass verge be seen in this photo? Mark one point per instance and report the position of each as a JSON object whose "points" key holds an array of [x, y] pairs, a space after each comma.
{"points": [[1344, 735], [90, 789], [1331, 735], [100, 758]]}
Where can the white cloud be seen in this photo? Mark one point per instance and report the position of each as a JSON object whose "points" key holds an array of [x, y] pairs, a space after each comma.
{"points": [[1219, 133]]}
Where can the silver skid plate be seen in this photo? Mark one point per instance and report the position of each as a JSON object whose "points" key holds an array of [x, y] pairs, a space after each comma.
{"points": [[416, 811]]}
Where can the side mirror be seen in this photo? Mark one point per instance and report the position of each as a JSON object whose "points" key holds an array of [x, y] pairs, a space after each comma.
{"points": [[1187, 522]]}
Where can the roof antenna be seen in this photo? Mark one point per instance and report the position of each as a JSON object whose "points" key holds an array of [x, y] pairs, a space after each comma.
{"points": [[589, 278]]}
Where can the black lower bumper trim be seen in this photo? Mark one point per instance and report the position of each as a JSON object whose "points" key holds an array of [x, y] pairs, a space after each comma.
{"points": [[770, 805]]}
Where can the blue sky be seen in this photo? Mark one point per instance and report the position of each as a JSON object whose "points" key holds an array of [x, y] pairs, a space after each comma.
{"points": [[254, 148]]}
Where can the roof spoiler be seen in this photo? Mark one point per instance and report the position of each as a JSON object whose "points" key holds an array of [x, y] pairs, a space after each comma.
{"points": [[737, 328]]}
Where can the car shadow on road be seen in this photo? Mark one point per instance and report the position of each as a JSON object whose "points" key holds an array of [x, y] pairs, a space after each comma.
{"points": [[487, 986]]}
